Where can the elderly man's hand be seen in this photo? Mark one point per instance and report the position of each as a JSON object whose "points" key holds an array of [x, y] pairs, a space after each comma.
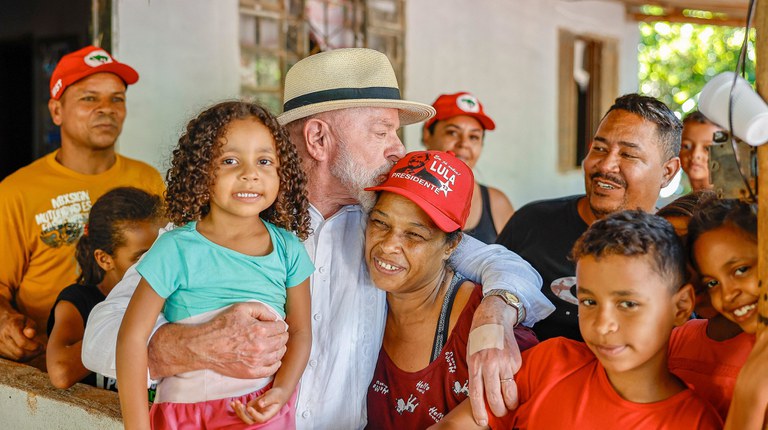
{"points": [[492, 370], [17, 336], [246, 341]]}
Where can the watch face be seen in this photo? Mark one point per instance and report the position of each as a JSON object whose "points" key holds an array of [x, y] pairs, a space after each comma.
{"points": [[510, 298]]}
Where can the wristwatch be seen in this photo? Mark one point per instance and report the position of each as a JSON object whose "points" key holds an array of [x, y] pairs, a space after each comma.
{"points": [[511, 300]]}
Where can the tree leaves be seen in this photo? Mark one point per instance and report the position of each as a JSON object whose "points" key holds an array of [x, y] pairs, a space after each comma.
{"points": [[676, 60]]}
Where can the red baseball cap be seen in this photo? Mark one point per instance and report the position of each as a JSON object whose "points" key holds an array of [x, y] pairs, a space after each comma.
{"points": [[463, 103], [438, 182], [85, 62]]}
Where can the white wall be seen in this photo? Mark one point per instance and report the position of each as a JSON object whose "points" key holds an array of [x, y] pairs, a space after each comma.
{"points": [[506, 53], [187, 56]]}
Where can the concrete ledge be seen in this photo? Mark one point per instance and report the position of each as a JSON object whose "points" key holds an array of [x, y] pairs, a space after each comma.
{"points": [[29, 401]]}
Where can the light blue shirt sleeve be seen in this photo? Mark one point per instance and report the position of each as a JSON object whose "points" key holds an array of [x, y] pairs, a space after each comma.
{"points": [[298, 265], [496, 267], [162, 266]]}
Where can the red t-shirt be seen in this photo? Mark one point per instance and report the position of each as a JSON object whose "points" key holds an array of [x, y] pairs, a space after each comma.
{"points": [[401, 400], [562, 385], [709, 366]]}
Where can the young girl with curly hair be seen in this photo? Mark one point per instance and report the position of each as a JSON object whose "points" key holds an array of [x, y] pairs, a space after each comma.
{"points": [[237, 194]]}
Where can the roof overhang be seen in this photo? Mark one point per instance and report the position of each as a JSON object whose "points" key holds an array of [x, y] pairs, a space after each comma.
{"points": [[708, 12]]}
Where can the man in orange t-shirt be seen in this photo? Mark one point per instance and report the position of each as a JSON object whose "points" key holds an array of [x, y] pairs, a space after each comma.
{"points": [[44, 206]]}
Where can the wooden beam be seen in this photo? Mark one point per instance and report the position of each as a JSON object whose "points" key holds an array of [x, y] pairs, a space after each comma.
{"points": [[674, 17], [761, 45], [710, 5], [733, 13]]}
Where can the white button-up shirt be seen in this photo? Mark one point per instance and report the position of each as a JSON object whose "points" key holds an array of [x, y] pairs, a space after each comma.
{"points": [[348, 315]]}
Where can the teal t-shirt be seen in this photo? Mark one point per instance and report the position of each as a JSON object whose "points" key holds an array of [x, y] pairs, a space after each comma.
{"points": [[195, 275]]}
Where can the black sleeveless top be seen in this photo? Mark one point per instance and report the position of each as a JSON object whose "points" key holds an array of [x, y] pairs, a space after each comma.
{"points": [[84, 298], [484, 231]]}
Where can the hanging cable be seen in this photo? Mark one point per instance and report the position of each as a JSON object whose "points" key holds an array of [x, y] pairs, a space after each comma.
{"points": [[741, 70]]}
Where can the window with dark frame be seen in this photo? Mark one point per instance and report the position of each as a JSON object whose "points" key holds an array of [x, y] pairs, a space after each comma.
{"points": [[275, 34], [588, 85]]}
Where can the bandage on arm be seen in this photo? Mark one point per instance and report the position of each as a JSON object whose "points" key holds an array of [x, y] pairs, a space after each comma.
{"points": [[485, 337]]}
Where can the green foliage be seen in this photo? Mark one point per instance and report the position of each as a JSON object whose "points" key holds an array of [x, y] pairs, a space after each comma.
{"points": [[676, 60]]}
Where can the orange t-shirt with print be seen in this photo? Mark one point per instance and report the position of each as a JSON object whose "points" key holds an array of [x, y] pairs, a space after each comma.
{"points": [[43, 209]]}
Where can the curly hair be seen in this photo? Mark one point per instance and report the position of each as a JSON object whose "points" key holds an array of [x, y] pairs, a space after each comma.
{"points": [[113, 213], [685, 206], [636, 233], [193, 170]]}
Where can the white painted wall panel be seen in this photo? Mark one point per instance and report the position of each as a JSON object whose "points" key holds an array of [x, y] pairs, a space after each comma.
{"points": [[187, 56], [506, 53]]}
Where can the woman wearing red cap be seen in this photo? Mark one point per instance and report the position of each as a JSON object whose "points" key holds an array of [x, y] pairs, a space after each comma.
{"points": [[459, 126], [421, 373]]}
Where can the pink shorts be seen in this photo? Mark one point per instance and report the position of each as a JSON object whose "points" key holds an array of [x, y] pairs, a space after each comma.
{"points": [[218, 414]]}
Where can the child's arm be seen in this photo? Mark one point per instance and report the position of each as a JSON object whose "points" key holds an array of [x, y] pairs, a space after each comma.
{"points": [[132, 338], [64, 347], [459, 418], [297, 311], [749, 405]]}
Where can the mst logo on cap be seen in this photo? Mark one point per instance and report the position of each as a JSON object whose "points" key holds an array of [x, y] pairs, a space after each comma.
{"points": [[97, 58], [85, 62], [463, 103], [438, 182], [468, 103]]}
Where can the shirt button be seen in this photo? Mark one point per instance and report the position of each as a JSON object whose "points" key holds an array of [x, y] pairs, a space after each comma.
{"points": [[321, 269], [313, 363], [305, 414], [317, 317]]}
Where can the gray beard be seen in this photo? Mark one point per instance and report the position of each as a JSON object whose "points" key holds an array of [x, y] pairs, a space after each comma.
{"points": [[355, 178]]}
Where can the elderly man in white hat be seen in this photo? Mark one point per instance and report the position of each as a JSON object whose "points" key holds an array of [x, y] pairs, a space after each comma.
{"points": [[342, 110]]}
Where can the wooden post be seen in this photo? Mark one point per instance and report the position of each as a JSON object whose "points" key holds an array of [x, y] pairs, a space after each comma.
{"points": [[761, 46]]}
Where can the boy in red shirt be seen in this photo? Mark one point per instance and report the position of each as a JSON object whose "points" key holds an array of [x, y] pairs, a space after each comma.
{"points": [[629, 270]]}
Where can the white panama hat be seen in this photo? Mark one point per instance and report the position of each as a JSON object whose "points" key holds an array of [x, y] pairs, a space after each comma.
{"points": [[346, 78]]}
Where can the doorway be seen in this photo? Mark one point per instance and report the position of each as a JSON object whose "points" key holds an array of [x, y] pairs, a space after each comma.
{"points": [[33, 37]]}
